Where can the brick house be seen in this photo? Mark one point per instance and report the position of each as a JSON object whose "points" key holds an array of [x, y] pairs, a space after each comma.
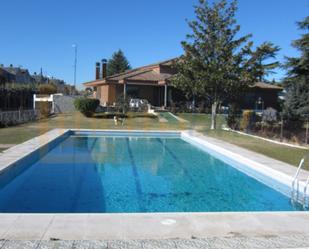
{"points": [[261, 95], [148, 82], [152, 83]]}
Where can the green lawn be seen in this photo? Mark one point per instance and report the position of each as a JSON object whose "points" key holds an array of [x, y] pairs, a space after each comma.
{"points": [[21, 133], [168, 117], [199, 122], [283, 153]]}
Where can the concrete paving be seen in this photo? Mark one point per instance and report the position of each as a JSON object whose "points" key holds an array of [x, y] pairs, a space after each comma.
{"points": [[151, 225], [280, 166], [296, 242]]}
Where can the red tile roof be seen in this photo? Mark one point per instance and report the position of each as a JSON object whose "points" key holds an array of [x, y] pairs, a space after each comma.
{"points": [[150, 73]]}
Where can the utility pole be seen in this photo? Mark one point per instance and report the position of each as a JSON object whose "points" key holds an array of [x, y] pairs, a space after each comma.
{"points": [[75, 63]]}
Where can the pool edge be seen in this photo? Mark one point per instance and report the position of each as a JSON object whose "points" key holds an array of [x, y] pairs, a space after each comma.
{"points": [[22, 226]]}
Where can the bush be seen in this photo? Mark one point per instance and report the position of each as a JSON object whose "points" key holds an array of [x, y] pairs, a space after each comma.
{"points": [[122, 103], [248, 119], [44, 108], [269, 115], [110, 115], [47, 89], [86, 106], [233, 118]]}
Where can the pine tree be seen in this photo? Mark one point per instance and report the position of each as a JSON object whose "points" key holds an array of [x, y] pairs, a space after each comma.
{"points": [[297, 80], [265, 52], [216, 60], [118, 63]]}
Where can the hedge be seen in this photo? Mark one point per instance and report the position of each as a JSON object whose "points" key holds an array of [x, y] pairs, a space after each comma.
{"points": [[86, 106]]}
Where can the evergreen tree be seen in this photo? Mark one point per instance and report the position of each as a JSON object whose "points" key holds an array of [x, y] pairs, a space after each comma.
{"points": [[297, 80], [265, 52], [217, 61], [185, 79], [118, 63]]}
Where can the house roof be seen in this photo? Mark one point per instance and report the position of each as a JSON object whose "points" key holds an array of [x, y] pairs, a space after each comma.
{"points": [[151, 74], [3, 72], [16, 70], [147, 74], [267, 86]]}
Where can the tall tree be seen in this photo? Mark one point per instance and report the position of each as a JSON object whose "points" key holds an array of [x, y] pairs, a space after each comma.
{"points": [[185, 80], [118, 63], [297, 80], [216, 58], [262, 59]]}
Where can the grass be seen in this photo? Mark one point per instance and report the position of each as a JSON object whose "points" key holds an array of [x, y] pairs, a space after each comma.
{"points": [[280, 152], [200, 122], [168, 117], [21, 133], [111, 115]]}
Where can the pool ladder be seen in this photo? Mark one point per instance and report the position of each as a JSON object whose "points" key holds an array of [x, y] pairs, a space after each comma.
{"points": [[295, 192]]}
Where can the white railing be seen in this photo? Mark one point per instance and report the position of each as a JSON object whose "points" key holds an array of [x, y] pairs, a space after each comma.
{"points": [[305, 193], [295, 180]]}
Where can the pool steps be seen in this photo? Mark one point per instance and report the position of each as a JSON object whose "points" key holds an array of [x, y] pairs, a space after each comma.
{"points": [[295, 193]]}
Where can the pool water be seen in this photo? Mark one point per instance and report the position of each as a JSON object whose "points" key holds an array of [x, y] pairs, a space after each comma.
{"points": [[121, 174]]}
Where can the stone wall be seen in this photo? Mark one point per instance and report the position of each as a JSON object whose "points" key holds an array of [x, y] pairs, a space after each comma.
{"points": [[18, 117]]}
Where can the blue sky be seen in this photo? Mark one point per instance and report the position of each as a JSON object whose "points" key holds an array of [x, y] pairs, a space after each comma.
{"points": [[38, 33]]}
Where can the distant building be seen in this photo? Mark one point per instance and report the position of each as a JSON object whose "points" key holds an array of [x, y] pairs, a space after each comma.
{"points": [[5, 77], [17, 75]]}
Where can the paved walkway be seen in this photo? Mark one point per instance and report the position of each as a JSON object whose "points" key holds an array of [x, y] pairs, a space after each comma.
{"points": [[299, 242], [6, 146]]}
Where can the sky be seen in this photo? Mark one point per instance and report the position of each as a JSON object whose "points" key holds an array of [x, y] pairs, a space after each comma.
{"points": [[40, 33]]}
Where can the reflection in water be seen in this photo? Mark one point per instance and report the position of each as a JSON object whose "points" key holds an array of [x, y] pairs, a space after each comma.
{"points": [[118, 174]]}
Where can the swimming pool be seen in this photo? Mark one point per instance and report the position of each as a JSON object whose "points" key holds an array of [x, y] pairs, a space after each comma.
{"points": [[111, 172]]}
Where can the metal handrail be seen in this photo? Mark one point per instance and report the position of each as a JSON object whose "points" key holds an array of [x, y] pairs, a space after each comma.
{"points": [[305, 192], [295, 179]]}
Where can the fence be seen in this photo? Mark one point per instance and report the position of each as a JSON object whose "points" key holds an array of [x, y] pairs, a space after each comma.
{"points": [[17, 117], [14, 99], [276, 127]]}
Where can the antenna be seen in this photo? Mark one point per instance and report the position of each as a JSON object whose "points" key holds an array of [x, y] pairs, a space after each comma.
{"points": [[75, 62]]}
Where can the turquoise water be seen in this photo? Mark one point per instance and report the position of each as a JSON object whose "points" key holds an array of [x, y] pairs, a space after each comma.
{"points": [[120, 174]]}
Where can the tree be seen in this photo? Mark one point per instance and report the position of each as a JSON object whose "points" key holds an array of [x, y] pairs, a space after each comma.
{"points": [[217, 60], [117, 64], [185, 80], [47, 89], [297, 80], [265, 52]]}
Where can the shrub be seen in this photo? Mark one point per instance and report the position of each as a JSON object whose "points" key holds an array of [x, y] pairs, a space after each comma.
{"points": [[269, 115], [47, 89], [86, 106], [233, 117], [248, 119], [122, 103], [44, 108], [110, 115]]}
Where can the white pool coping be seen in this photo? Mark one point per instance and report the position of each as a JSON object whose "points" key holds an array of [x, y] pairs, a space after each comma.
{"points": [[155, 225], [271, 172]]}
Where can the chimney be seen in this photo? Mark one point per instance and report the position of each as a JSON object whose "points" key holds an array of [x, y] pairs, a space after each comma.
{"points": [[104, 68], [97, 70]]}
